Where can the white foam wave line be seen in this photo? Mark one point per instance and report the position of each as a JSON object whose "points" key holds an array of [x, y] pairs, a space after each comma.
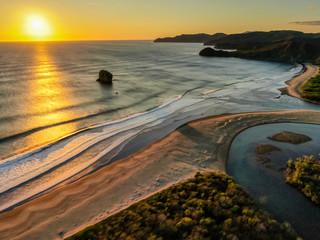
{"points": [[269, 83], [36, 166], [66, 175], [148, 118], [18, 157], [258, 81], [133, 116], [9, 179]]}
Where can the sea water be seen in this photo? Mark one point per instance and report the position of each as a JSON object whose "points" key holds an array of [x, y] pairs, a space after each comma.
{"points": [[267, 184], [57, 121]]}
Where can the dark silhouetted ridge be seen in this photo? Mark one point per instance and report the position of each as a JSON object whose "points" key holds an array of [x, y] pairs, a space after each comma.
{"points": [[252, 40], [280, 46], [195, 38]]}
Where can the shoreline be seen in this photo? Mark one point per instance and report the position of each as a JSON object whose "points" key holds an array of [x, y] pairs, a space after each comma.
{"points": [[294, 85], [72, 207]]}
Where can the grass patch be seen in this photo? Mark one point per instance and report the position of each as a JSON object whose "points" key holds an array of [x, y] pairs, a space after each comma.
{"points": [[311, 90], [208, 206]]}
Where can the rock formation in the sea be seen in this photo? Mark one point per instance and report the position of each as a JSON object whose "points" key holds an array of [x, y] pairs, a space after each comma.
{"points": [[210, 52], [262, 159], [105, 77], [290, 137], [266, 148], [281, 46], [194, 38], [262, 149]]}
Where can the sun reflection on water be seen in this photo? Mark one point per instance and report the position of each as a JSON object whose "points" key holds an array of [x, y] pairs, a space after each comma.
{"points": [[49, 97]]}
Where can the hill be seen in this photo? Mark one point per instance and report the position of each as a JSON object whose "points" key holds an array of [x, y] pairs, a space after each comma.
{"points": [[193, 38], [281, 46], [253, 40]]}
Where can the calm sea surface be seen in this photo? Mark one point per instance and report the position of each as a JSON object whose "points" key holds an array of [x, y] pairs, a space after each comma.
{"points": [[56, 120], [48, 90], [268, 185]]}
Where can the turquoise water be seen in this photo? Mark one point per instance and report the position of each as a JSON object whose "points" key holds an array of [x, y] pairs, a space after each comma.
{"points": [[267, 184]]}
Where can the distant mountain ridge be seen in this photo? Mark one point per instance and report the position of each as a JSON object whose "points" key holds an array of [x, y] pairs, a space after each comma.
{"points": [[250, 40], [281, 46], [192, 38]]}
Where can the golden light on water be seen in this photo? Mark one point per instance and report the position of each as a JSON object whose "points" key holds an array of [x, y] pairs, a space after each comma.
{"points": [[48, 98]]}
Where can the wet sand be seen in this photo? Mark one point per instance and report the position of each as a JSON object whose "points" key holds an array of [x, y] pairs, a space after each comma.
{"points": [[199, 145], [72, 207]]}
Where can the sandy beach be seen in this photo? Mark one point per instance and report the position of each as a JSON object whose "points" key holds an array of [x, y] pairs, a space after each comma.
{"points": [[199, 145], [170, 160], [296, 83]]}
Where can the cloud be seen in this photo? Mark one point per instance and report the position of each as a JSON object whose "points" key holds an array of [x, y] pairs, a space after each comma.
{"points": [[312, 8], [310, 23]]}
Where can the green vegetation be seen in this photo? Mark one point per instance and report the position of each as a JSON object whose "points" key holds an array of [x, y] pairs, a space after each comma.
{"points": [[311, 90], [304, 174], [210, 206]]}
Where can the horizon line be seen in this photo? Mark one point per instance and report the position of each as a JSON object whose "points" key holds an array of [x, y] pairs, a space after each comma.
{"points": [[101, 40], [92, 40]]}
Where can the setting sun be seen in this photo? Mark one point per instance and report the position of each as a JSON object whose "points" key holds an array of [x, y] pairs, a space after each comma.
{"points": [[143, 119], [37, 27]]}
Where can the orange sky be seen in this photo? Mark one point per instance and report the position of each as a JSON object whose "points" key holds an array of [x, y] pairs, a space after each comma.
{"points": [[149, 19]]}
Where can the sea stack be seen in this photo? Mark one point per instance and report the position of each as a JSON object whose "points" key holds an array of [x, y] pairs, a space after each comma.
{"points": [[210, 52], [105, 77]]}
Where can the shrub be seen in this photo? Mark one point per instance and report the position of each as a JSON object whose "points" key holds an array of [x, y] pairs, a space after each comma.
{"points": [[304, 174], [222, 210]]}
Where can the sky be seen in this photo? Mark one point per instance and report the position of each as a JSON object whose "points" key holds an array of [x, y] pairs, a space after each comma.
{"points": [[36, 20]]}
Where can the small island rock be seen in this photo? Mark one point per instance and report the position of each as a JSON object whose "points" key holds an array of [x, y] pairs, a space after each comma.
{"points": [[290, 137], [105, 77], [210, 52], [266, 148]]}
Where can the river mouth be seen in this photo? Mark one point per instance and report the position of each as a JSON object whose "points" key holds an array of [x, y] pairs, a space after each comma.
{"points": [[266, 182]]}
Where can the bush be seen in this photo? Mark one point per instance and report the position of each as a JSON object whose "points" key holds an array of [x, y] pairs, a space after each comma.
{"points": [[311, 90], [304, 174], [208, 206]]}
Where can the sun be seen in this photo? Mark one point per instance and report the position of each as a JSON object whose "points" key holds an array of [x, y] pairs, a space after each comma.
{"points": [[37, 27]]}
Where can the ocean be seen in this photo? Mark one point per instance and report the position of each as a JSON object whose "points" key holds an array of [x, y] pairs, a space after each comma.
{"points": [[57, 122]]}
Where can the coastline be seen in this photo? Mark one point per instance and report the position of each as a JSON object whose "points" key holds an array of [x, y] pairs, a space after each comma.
{"points": [[69, 208], [72, 207], [295, 84]]}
